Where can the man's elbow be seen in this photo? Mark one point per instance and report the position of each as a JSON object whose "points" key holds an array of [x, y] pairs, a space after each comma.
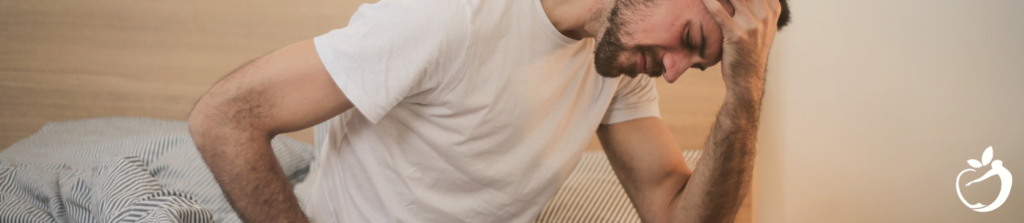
{"points": [[215, 120], [200, 123], [208, 123]]}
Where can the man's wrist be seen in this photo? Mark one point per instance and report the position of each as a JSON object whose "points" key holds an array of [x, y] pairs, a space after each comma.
{"points": [[745, 93], [744, 79]]}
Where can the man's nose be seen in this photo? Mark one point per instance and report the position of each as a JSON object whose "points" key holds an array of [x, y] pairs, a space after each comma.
{"points": [[675, 65]]}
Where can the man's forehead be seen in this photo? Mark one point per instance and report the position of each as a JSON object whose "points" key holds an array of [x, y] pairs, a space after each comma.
{"points": [[712, 39]]}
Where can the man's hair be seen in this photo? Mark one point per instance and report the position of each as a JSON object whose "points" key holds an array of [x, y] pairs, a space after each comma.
{"points": [[784, 16]]}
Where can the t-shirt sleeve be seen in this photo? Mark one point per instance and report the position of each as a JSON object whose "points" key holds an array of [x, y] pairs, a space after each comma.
{"points": [[394, 49], [635, 98]]}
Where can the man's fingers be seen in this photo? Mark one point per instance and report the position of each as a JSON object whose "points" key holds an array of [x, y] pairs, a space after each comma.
{"points": [[760, 10], [775, 6], [719, 13], [742, 8]]}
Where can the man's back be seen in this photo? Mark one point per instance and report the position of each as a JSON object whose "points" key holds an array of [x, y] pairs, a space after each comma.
{"points": [[477, 115]]}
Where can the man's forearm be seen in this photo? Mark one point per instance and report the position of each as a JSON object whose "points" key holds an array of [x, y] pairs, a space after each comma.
{"points": [[722, 177], [249, 174], [232, 125]]}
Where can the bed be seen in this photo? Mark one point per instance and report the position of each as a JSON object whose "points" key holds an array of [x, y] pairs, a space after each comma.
{"points": [[134, 169]]}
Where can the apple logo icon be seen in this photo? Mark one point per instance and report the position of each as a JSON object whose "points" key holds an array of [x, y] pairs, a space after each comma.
{"points": [[997, 170]]}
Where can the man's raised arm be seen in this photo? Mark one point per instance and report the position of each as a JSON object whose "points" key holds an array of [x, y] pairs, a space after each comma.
{"points": [[723, 174], [650, 166], [232, 125]]}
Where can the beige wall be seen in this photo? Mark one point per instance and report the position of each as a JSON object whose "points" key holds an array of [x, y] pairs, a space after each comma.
{"points": [[874, 107]]}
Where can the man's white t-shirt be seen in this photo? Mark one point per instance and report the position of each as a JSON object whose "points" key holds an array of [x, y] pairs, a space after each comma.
{"points": [[465, 111]]}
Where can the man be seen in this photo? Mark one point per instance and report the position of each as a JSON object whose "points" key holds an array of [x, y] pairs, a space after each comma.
{"points": [[477, 110]]}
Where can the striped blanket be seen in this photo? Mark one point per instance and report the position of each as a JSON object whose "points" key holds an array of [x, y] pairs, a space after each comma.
{"points": [[120, 170], [129, 169]]}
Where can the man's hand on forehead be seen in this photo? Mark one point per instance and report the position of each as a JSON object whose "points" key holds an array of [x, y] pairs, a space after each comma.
{"points": [[726, 4], [748, 33]]}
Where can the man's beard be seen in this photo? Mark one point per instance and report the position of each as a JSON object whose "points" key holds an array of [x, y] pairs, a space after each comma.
{"points": [[611, 47]]}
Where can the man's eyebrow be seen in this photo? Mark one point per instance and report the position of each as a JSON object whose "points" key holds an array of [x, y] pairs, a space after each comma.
{"points": [[703, 42]]}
